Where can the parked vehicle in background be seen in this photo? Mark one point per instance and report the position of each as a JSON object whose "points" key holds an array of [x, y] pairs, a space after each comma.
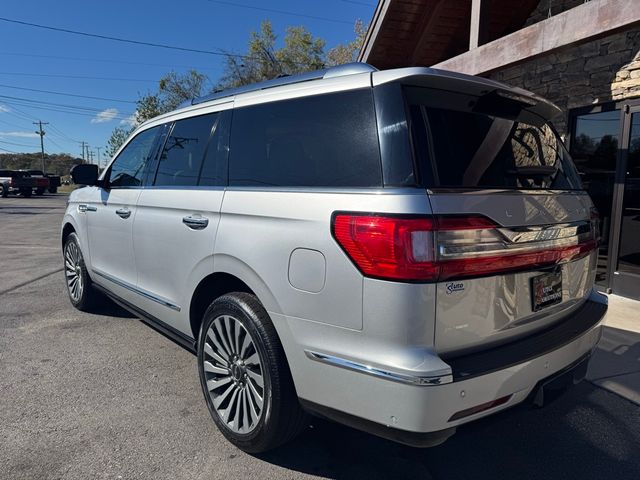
{"points": [[16, 181], [402, 251], [41, 181]]}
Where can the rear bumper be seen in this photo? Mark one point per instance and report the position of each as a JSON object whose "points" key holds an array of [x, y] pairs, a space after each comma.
{"points": [[426, 413]]}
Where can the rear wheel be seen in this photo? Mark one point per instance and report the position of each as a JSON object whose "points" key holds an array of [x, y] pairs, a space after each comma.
{"points": [[79, 287], [40, 191], [245, 376], [4, 191]]}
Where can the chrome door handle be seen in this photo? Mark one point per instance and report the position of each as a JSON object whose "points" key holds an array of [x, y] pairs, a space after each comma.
{"points": [[123, 212], [87, 208], [195, 223]]}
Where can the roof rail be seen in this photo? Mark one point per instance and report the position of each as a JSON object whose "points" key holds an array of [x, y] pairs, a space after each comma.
{"points": [[332, 72]]}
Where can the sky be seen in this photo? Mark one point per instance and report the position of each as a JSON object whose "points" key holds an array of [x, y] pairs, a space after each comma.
{"points": [[33, 58]]}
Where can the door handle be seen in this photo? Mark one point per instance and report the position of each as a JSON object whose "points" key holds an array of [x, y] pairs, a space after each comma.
{"points": [[86, 208], [123, 212], [195, 223]]}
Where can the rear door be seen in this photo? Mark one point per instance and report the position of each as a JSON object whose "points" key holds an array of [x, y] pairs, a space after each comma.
{"points": [[515, 237], [177, 217], [110, 211]]}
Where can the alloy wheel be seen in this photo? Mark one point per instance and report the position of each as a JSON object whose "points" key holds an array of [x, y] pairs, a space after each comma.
{"points": [[73, 271], [233, 374]]}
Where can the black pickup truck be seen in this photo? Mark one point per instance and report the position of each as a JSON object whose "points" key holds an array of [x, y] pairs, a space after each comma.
{"points": [[54, 181], [13, 181]]}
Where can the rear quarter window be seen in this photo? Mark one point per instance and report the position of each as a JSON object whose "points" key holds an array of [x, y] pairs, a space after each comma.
{"points": [[318, 141]]}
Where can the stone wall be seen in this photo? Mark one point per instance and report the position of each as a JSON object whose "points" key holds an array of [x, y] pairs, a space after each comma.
{"points": [[576, 76]]}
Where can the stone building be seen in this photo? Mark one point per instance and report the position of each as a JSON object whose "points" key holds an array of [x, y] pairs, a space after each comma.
{"points": [[582, 55]]}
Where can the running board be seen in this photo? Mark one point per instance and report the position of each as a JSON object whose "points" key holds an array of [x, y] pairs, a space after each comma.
{"points": [[167, 330]]}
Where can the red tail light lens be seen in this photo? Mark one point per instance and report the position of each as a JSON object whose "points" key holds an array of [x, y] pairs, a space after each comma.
{"points": [[446, 247], [388, 247]]}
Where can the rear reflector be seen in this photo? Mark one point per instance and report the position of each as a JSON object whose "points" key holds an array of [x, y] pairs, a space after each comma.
{"points": [[410, 248], [480, 408]]}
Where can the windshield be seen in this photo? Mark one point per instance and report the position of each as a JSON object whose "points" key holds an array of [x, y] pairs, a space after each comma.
{"points": [[465, 148]]}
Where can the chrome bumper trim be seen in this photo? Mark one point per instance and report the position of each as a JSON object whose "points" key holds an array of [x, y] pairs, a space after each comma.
{"points": [[377, 372], [139, 291]]}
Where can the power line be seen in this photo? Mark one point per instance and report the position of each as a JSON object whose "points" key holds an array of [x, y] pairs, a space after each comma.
{"points": [[116, 39], [63, 105], [62, 133], [68, 94], [358, 3], [17, 144], [105, 60], [281, 12], [80, 77]]}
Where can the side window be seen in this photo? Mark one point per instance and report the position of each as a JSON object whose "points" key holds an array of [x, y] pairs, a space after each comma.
{"points": [[317, 141], [128, 168], [214, 169], [181, 159]]}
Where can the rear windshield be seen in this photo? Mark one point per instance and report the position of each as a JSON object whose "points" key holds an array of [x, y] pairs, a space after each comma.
{"points": [[457, 146]]}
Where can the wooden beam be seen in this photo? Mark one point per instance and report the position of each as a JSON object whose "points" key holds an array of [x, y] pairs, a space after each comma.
{"points": [[479, 28], [591, 20]]}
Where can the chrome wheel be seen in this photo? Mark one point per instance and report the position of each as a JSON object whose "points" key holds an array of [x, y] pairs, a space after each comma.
{"points": [[73, 271], [233, 374]]}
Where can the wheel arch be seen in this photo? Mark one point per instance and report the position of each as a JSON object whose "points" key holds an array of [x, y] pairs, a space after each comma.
{"points": [[232, 275]]}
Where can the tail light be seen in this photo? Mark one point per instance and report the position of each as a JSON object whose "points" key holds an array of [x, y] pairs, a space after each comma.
{"points": [[431, 249]]}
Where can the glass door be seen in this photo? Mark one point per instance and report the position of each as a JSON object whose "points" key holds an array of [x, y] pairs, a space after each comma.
{"points": [[626, 277], [594, 148]]}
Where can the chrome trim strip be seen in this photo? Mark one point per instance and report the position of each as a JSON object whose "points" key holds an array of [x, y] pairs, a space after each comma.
{"points": [[139, 291], [377, 372]]}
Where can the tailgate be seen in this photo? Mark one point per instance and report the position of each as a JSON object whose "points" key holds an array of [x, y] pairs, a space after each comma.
{"points": [[476, 311]]}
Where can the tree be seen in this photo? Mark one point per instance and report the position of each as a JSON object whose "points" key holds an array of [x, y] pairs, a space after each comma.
{"points": [[301, 52], [117, 138], [346, 53]]}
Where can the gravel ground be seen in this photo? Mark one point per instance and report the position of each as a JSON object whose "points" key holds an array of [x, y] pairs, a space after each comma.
{"points": [[87, 396]]}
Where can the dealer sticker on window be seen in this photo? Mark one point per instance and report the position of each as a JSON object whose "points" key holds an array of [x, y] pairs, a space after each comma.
{"points": [[546, 290]]}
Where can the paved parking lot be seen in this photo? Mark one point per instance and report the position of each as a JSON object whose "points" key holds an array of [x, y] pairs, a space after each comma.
{"points": [[105, 396]]}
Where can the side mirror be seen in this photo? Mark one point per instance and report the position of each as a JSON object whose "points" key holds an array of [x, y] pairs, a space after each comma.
{"points": [[85, 174]]}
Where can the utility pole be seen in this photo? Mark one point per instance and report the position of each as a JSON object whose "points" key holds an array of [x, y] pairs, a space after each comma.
{"points": [[99, 161], [82, 144], [41, 133]]}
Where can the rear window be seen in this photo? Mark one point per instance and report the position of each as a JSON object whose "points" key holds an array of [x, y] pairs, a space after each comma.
{"points": [[459, 147], [318, 141]]}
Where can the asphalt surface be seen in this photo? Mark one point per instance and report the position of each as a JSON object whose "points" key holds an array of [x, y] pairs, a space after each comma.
{"points": [[86, 396]]}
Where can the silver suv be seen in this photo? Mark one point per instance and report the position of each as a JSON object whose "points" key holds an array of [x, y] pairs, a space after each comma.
{"points": [[402, 251]]}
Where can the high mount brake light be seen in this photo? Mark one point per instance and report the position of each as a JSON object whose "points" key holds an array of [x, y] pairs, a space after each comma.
{"points": [[431, 249]]}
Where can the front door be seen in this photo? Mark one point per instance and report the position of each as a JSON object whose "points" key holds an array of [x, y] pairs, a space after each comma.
{"points": [[111, 213], [177, 218]]}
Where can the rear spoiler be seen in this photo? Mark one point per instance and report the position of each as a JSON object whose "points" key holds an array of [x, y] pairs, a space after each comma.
{"points": [[487, 91]]}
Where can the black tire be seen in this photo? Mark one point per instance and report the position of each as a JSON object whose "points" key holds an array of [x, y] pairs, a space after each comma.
{"points": [[281, 417], [26, 192], [4, 191], [40, 191], [53, 189], [89, 298]]}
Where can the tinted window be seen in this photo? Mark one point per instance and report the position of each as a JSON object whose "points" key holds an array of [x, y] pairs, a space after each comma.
{"points": [[214, 169], [463, 148], [128, 168], [181, 158], [325, 140]]}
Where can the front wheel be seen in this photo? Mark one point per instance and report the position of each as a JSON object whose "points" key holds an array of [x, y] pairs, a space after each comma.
{"points": [[26, 192], [245, 376], [40, 191], [4, 191], [81, 292], [53, 189]]}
